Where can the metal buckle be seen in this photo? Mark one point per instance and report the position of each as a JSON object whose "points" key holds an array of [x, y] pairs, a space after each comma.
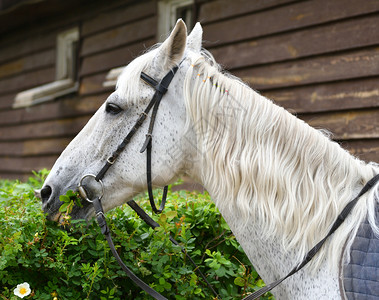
{"points": [[111, 160], [83, 192], [100, 213]]}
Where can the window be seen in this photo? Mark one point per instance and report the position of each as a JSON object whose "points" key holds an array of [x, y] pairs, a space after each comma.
{"points": [[169, 11], [66, 67]]}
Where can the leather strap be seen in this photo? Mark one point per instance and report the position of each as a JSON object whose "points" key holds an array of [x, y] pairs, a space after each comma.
{"points": [[100, 217], [106, 232], [150, 187], [111, 160], [160, 89], [337, 223]]}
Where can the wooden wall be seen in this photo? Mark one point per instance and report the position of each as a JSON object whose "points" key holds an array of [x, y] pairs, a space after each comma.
{"points": [[111, 35], [318, 58]]}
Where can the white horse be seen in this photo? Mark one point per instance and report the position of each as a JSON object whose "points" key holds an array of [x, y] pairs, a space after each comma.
{"points": [[278, 183]]}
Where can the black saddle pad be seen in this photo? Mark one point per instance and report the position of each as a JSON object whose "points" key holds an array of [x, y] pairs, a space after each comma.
{"points": [[361, 275]]}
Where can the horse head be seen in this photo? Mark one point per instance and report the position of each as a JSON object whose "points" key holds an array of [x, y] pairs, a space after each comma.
{"points": [[90, 149]]}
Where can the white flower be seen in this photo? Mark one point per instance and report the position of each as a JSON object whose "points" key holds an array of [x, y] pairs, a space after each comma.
{"points": [[22, 290]]}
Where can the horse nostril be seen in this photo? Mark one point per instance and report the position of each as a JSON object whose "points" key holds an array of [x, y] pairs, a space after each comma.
{"points": [[46, 193]]}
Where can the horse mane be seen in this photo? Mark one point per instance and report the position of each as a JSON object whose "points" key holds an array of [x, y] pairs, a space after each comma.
{"points": [[264, 163], [270, 166]]}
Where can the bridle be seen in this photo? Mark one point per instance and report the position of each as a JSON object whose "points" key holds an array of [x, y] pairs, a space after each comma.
{"points": [[161, 88]]}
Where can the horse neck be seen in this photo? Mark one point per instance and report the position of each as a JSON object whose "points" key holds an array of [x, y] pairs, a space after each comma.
{"points": [[261, 163]]}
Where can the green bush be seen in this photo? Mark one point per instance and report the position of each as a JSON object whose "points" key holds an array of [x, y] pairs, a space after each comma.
{"points": [[77, 263]]}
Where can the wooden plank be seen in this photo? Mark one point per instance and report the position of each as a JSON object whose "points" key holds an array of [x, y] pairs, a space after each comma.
{"points": [[223, 9], [345, 95], [26, 16], [64, 108], [363, 124], [35, 42], [34, 147], [355, 64], [123, 35], [15, 175], [93, 84], [344, 35], [41, 59], [6, 101], [118, 16], [50, 17], [285, 18], [27, 80], [42, 34], [26, 164], [367, 150], [114, 58], [48, 129]]}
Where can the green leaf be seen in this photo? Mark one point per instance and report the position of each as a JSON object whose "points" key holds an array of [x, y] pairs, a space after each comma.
{"points": [[71, 194], [220, 272], [171, 214], [145, 235], [64, 198], [64, 207], [239, 281], [163, 218]]}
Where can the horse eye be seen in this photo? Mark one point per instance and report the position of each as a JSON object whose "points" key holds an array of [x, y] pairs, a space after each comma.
{"points": [[113, 108]]}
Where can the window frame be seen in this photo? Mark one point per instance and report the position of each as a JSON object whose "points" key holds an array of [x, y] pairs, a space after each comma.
{"points": [[66, 73], [167, 18], [167, 15]]}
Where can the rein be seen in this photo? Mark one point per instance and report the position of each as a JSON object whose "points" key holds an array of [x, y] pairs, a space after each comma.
{"points": [[160, 89], [337, 223]]}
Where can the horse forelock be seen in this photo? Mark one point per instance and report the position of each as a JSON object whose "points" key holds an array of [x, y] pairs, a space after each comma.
{"points": [[261, 163], [129, 84]]}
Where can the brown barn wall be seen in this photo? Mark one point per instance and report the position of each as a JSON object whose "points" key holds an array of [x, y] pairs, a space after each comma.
{"points": [[317, 58], [111, 35]]}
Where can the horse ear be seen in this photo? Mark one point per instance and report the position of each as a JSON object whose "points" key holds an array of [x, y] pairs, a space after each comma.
{"points": [[172, 49], [195, 38]]}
